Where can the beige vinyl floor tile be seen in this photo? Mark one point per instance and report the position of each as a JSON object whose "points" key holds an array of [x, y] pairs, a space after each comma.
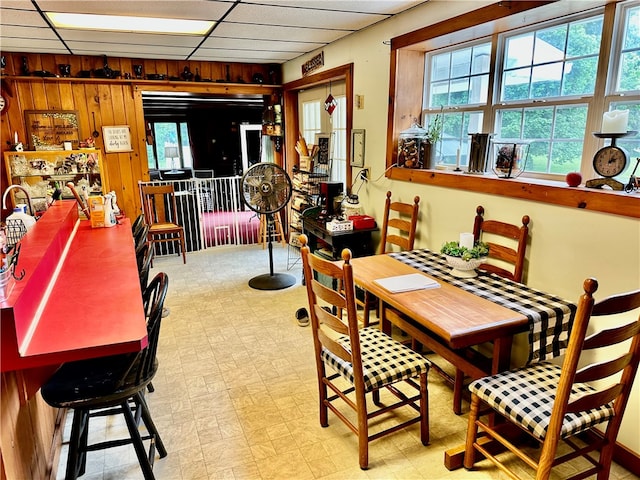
{"points": [[236, 393]]}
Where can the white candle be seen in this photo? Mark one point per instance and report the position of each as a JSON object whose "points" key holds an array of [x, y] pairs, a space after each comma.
{"points": [[457, 159], [15, 137], [615, 121], [466, 240]]}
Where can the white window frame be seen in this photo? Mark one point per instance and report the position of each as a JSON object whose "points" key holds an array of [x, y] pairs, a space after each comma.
{"points": [[595, 106]]}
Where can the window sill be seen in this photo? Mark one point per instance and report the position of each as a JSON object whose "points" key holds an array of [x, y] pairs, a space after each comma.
{"points": [[537, 190]]}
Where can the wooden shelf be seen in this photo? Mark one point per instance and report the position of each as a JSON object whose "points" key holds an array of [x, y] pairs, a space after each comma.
{"points": [[132, 81], [545, 191]]}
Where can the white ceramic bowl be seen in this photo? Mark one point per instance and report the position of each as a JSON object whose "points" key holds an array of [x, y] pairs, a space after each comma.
{"points": [[464, 268]]}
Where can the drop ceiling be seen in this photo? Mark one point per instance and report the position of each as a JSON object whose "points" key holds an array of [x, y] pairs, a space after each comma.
{"points": [[252, 31]]}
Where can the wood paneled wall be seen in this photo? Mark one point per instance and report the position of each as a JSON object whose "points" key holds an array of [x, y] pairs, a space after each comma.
{"points": [[27, 428], [114, 102]]}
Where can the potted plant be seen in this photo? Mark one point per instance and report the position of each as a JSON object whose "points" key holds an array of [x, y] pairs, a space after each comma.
{"points": [[463, 260], [434, 134]]}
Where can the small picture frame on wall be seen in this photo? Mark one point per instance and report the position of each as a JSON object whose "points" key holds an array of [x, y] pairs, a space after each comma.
{"points": [[357, 147], [323, 140], [117, 139]]}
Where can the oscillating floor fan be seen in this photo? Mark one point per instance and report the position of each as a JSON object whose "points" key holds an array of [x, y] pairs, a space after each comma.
{"points": [[266, 189]]}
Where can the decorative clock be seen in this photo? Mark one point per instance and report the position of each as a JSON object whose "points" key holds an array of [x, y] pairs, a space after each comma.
{"points": [[4, 102], [5, 95], [609, 162]]}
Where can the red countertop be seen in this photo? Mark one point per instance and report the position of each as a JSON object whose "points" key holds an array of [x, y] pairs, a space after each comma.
{"points": [[80, 297]]}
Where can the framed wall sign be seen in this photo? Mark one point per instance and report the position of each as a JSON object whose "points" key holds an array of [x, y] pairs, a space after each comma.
{"points": [[357, 148], [323, 140], [117, 139], [49, 129]]}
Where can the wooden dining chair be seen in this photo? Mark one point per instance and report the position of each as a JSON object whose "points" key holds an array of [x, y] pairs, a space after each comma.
{"points": [[579, 403], [361, 361], [398, 233], [160, 211], [507, 246]]}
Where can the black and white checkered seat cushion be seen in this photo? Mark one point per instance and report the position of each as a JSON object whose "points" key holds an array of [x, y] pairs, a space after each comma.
{"points": [[384, 360], [526, 396]]}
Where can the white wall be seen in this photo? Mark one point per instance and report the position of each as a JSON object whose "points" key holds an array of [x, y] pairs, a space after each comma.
{"points": [[567, 245]]}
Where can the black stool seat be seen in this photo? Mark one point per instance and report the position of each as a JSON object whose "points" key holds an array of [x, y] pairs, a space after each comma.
{"points": [[97, 383], [112, 385]]}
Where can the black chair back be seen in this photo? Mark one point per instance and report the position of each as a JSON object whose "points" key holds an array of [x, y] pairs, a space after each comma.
{"points": [[144, 257], [153, 301], [137, 224]]}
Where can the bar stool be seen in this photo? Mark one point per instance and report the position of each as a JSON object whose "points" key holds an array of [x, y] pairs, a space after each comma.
{"points": [[110, 385]]}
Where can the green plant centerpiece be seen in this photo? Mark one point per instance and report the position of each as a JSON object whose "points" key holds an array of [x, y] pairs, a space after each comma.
{"points": [[463, 260]]}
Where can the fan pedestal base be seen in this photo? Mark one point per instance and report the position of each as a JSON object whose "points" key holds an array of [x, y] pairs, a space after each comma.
{"points": [[276, 281]]}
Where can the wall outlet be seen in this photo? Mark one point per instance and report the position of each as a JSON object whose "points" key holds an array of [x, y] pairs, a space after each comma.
{"points": [[364, 174]]}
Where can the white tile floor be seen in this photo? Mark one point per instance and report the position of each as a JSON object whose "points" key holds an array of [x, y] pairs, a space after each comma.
{"points": [[236, 393]]}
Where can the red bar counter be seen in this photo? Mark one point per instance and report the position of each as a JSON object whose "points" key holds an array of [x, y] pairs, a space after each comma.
{"points": [[80, 296]]}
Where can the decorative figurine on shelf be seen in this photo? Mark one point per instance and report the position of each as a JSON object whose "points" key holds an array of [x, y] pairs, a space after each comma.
{"points": [[114, 203], [187, 76], [25, 67], [18, 147]]}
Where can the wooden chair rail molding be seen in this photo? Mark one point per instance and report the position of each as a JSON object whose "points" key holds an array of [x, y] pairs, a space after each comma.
{"points": [[606, 201]]}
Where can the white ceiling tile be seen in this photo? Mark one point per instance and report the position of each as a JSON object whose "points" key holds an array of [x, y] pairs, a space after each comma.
{"points": [[268, 32], [21, 17], [243, 57], [362, 6], [131, 38], [21, 44], [133, 49], [301, 17], [253, 44], [27, 32]]}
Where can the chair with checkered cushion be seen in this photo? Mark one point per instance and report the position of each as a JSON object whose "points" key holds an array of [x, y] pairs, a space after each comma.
{"points": [[554, 403], [363, 361]]}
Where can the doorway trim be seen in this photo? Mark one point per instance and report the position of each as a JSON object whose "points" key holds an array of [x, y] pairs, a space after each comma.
{"points": [[291, 114]]}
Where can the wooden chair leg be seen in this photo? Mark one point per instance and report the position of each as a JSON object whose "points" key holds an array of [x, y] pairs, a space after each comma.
{"points": [[424, 410], [472, 433], [184, 248]]}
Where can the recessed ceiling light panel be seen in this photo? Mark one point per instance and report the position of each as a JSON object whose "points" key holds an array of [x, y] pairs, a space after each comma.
{"points": [[170, 26]]}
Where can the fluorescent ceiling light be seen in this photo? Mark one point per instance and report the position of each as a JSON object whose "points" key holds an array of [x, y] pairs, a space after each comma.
{"points": [[86, 21]]}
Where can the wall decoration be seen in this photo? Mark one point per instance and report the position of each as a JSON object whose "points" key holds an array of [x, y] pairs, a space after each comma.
{"points": [[117, 139], [323, 141], [49, 129], [313, 64], [357, 147]]}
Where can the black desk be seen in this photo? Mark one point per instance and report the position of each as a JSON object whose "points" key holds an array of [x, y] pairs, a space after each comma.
{"points": [[331, 244]]}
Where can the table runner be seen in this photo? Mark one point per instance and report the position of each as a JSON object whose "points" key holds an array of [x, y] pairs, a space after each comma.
{"points": [[550, 317]]}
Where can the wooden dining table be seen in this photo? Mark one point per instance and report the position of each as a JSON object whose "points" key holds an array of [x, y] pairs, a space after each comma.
{"points": [[462, 313]]}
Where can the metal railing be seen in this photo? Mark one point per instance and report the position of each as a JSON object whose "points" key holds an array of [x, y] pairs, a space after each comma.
{"points": [[212, 213]]}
